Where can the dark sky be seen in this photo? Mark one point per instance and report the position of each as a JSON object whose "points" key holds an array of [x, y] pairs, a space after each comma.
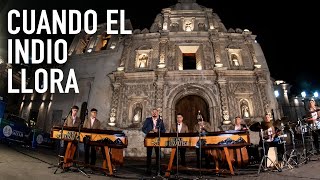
{"points": [[286, 32]]}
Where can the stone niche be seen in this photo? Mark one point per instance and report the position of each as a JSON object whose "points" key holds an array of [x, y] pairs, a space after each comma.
{"points": [[143, 58]]}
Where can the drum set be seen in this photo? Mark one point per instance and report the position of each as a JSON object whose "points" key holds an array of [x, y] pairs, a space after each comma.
{"points": [[295, 137]]}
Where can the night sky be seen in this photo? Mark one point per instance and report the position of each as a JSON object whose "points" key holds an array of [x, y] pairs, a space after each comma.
{"points": [[286, 32]]}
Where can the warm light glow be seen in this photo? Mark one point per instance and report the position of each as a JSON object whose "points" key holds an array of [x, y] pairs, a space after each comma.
{"points": [[89, 50], [277, 82], [161, 66], [113, 45], [315, 94], [257, 66], [120, 68], [276, 93], [165, 26], [303, 94]]}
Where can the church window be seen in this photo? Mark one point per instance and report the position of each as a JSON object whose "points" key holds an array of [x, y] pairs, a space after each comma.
{"points": [[189, 61]]}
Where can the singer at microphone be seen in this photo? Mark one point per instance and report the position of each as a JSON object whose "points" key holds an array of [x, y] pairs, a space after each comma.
{"points": [[153, 125]]}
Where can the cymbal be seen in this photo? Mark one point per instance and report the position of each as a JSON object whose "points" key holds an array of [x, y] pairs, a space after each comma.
{"points": [[257, 127]]}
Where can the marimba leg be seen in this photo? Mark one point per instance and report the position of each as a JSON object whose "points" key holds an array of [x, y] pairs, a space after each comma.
{"points": [[173, 152]]}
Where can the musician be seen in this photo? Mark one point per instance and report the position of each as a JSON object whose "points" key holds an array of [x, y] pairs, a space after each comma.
{"points": [[202, 127], [91, 123], [153, 125], [314, 114], [269, 134], [237, 125], [182, 128], [73, 120]]}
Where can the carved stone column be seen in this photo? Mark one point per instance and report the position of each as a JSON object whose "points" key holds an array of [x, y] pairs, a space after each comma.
{"points": [[214, 38], [160, 73], [262, 85], [162, 52], [222, 84], [116, 80], [125, 53], [210, 18]]}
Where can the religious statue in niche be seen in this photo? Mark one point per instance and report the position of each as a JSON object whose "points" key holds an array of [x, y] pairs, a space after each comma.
{"points": [[201, 27], [245, 113], [137, 114], [142, 61], [235, 60], [188, 26], [174, 27]]}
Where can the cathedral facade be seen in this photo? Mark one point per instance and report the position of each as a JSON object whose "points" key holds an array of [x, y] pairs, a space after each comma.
{"points": [[186, 62]]}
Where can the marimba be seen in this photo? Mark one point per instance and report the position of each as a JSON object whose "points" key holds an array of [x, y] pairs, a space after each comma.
{"points": [[213, 142], [108, 139]]}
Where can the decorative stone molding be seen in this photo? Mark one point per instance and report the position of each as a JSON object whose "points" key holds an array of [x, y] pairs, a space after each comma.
{"points": [[222, 83]]}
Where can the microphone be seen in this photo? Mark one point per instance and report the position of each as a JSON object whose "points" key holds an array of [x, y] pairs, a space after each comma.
{"points": [[199, 115]]}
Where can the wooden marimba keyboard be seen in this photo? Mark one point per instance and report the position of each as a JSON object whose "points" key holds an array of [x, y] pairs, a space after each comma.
{"points": [[232, 142], [108, 139]]}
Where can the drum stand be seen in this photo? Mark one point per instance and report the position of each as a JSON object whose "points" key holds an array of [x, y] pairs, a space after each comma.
{"points": [[293, 152], [304, 153], [263, 163], [313, 150], [284, 156]]}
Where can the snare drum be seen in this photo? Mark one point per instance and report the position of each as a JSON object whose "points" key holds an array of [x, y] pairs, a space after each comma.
{"points": [[301, 129]]}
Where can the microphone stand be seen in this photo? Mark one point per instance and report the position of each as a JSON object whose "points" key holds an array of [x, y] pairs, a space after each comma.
{"points": [[78, 148], [200, 153], [177, 151], [159, 128], [61, 145]]}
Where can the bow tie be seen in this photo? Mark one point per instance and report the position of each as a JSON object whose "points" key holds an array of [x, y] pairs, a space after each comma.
{"points": [[179, 124]]}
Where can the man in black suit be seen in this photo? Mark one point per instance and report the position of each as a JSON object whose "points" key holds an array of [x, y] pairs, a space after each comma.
{"points": [[153, 125]]}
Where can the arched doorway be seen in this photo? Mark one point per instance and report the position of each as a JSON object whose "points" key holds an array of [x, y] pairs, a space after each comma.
{"points": [[189, 106]]}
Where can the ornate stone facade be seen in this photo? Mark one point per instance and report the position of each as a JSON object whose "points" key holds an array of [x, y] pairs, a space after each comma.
{"points": [[187, 52]]}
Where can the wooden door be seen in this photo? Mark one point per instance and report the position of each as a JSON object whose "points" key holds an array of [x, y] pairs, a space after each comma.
{"points": [[188, 106]]}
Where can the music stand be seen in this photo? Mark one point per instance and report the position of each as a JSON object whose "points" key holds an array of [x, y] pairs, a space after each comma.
{"points": [[265, 157]]}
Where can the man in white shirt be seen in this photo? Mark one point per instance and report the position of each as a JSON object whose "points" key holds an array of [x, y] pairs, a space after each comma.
{"points": [[182, 128], [313, 121], [91, 123]]}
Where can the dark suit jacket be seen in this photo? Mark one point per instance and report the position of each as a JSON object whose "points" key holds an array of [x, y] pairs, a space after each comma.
{"points": [[96, 124], [184, 128], [69, 122], [148, 125]]}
